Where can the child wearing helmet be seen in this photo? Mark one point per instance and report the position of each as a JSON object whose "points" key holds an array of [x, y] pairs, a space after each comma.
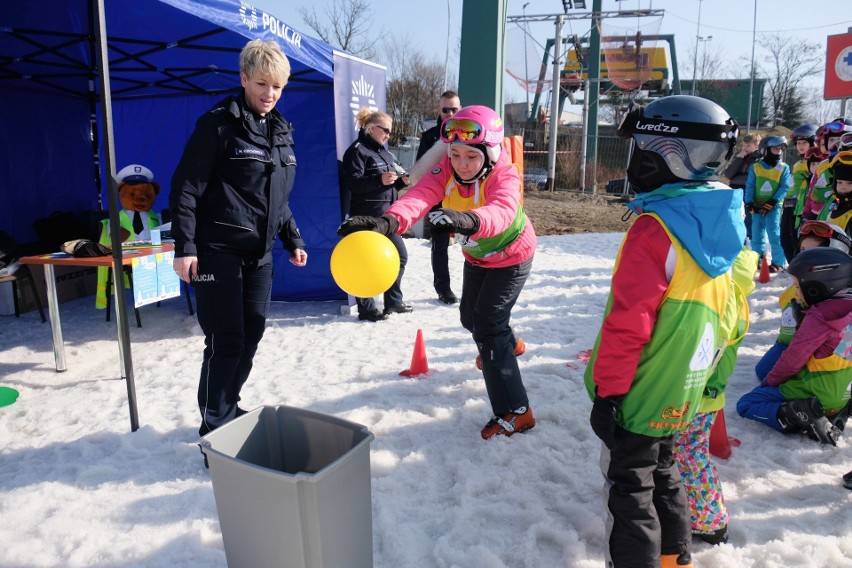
{"points": [[737, 169], [820, 191], [479, 192], [807, 389], [803, 138], [768, 182], [839, 209], [812, 234], [662, 325]]}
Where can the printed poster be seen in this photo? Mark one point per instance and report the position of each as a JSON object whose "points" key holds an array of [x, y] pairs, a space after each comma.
{"points": [[154, 279]]}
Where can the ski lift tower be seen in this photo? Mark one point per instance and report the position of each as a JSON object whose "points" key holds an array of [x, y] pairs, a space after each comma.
{"points": [[592, 97]]}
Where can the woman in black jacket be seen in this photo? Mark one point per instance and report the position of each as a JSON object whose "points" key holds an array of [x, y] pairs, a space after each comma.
{"points": [[373, 178], [229, 195]]}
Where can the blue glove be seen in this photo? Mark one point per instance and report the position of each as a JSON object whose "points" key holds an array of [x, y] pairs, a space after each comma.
{"points": [[385, 225], [452, 221]]}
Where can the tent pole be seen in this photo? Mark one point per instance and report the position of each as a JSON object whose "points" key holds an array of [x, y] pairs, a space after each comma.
{"points": [[100, 35]]}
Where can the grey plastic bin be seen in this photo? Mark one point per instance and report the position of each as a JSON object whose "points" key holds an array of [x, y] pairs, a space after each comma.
{"points": [[292, 489]]}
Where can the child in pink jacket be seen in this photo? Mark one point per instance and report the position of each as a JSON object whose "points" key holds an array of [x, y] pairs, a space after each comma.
{"points": [[479, 190]]}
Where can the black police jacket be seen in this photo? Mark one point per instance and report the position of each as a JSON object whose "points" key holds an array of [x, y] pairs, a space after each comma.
{"points": [[364, 162], [428, 139], [230, 190]]}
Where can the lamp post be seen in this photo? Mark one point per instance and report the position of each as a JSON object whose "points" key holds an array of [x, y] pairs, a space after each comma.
{"points": [[751, 73], [703, 63], [695, 58], [526, 70]]}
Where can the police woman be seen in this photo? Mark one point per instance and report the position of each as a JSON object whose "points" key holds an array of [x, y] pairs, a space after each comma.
{"points": [[229, 196]]}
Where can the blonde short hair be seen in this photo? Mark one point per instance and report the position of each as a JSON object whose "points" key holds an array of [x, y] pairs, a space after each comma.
{"points": [[260, 57], [751, 138]]}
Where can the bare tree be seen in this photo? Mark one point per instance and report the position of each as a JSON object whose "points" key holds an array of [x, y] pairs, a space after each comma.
{"points": [[414, 85], [788, 63], [820, 111], [347, 24]]}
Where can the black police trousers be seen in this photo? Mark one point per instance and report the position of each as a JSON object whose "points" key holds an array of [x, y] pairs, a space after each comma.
{"points": [[232, 298]]}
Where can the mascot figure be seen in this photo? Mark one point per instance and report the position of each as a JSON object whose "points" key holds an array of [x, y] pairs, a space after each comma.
{"points": [[137, 191]]}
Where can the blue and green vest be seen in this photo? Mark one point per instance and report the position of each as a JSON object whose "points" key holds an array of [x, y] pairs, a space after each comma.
{"points": [[686, 343], [766, 181]]}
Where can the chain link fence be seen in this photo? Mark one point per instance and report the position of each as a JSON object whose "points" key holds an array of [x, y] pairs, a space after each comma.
{"points": [[608, 170]]}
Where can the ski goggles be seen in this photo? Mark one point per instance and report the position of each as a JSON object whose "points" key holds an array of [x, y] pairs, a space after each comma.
{"points": [[824, 230], [463, 130], [845, 142], [834, 127], [844, 157]]}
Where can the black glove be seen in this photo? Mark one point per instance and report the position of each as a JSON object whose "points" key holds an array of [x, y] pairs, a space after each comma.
{"points": [[452, 221], [750, 207], [604, 418], [768, 206], [385, 225]]}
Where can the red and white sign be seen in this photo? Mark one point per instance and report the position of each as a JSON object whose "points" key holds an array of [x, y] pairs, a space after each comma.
{"points": [[838, 67]]}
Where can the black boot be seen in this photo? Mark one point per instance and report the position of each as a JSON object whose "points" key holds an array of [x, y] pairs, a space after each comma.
{"points": [[839, 419], [847, 480], [808, 415]]}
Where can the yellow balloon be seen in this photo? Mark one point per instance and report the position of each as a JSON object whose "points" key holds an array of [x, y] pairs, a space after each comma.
{"points": [[364, 264]]}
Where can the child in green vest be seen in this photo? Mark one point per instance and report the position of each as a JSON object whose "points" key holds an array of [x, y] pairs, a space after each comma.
{"points": [[662, 329], [768, 182], [812, 234], [839, 209], [804, 138], [810, 381]]}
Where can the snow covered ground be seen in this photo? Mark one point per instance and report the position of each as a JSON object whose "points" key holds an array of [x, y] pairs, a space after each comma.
{"points": [[77, 488]]}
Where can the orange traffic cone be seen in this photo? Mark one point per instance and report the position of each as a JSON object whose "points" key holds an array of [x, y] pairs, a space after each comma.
{"points": [[764, 272], [419, 365], [720, 443]]}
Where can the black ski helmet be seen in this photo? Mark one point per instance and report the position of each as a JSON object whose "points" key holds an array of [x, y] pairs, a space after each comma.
{"points": [[821, 272], [677, 138], [804, 132]]}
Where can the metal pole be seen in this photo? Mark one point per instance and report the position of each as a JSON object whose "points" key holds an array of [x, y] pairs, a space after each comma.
{"points": [[526, 69], [447, 53], [114, 225], [554, 107], [584, 139], [751, 73], [695, 58]]}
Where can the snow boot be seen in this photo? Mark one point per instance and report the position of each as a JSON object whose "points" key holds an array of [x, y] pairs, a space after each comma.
{"points": [[847, 480], [510, 423], [719, 536], [676, 561], [808, 415]]}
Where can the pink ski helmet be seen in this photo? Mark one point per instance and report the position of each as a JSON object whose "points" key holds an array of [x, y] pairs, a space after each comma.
{"points": [[477, 126]]}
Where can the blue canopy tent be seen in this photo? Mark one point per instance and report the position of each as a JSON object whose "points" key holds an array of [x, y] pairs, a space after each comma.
{"points": [[69, 122], [169, 61]]}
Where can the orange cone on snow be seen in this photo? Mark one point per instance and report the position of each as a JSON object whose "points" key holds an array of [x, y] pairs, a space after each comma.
{"points": [[764, 272], [720, 443], [419, 365]]}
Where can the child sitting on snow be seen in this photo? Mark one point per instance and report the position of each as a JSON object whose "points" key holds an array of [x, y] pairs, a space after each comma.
{"points": [[811, 379], [812, 234]]}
